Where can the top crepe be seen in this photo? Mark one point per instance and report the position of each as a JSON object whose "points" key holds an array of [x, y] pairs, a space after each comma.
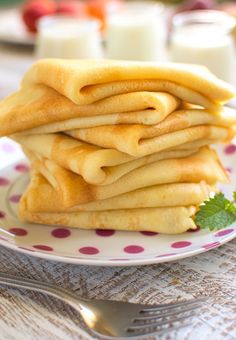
{"points": [[86, 81], [58, 95]]}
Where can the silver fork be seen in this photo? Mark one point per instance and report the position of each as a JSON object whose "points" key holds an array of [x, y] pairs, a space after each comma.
{"points": [[114, 319]]}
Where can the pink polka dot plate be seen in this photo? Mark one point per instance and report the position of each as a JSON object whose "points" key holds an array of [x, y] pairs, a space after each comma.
{"points": [[99, 247]]}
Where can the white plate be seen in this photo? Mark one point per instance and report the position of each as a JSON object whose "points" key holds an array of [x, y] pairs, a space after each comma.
{"points": [[13, 30], [111, 248]]}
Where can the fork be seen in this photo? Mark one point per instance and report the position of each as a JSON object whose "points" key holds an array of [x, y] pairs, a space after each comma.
{"points": [[116, 319]]}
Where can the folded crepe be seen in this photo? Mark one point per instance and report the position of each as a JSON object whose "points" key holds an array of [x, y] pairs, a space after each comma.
{"points": [[168, 220], [73, 190], [172, 220], [86, 93], [96, 165], [139, 141], [40, 107], [168, 121], [87, 81], [49, 199], [179, 129], [139, 187]]}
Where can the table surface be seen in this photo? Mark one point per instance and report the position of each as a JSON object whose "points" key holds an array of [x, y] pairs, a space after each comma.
{"points": [[29, 315]]}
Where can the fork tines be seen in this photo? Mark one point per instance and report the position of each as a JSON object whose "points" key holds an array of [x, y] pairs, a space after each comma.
{"points": [[156, 308], [157, 319]]}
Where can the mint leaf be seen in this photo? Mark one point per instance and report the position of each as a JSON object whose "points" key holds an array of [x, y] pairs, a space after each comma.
{"points": [[216, 213], [230, 207]]}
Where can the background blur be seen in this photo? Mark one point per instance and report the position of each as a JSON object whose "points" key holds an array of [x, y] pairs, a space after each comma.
{"points": [[188, 31]]}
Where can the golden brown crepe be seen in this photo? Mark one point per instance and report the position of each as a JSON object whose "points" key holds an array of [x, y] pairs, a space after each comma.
{"points": [[118, 92], [139, 140], [165, 195], [96, 165], [86, 81], [40, 107], [182, 119], [73, 190], [172, 220], [174, 121], [49, 198]]}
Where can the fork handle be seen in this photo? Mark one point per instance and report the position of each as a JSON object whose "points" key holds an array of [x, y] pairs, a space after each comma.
{"points": [[43, 287]]}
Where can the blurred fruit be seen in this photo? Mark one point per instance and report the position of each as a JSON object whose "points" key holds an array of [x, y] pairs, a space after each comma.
{"points": [[72, 7], [34, 9], [99, 8], [192, 5]]}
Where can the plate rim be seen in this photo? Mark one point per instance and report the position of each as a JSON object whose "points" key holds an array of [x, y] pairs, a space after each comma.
{"points": [[112, 263]]}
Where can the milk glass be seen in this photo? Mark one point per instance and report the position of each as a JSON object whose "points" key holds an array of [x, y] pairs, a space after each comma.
{"points": [[205, 38], [67, 37], [137, 32]]}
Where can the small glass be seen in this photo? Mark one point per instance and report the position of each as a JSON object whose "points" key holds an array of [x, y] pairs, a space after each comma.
{"points": [[137, 32], [68, 37], [205, 38]]}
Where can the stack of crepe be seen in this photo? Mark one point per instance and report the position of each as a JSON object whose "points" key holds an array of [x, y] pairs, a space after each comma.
{"points": [[119, 145]]}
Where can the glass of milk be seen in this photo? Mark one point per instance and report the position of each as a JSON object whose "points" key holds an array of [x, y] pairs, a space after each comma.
{"points": [[137, 32], [68, 37], [205, 38]]}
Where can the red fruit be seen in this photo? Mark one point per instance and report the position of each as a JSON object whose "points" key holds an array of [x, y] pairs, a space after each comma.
{"points": [[191, 5], [35, 9], [72, 7]]}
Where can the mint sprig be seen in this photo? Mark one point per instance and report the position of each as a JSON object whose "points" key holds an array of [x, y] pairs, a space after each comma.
{"points": [[216, 213]]}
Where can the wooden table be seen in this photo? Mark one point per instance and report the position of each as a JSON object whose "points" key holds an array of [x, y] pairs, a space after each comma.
{"points": [[32, 316]]}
